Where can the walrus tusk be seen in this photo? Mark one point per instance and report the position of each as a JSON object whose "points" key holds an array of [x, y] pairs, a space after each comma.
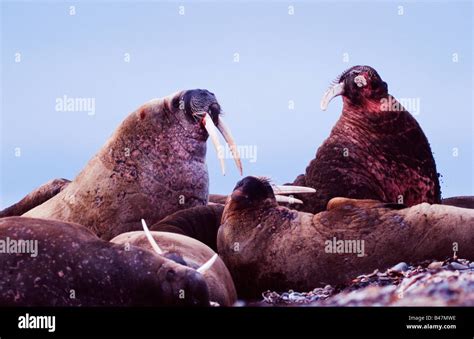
{"points": [[280, 189], [151, 239], [207, 265], [288, 200], [331, 93], [225, 131], [211, 129]]}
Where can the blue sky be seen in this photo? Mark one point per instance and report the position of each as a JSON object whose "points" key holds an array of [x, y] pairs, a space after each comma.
{"points": [[282, 57]]}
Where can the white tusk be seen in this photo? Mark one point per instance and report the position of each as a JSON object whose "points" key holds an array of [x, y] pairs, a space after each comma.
{"points": [[222, 127], [207, 265], [280, 189], [151, 239], [332, 92], [211, 129], [288, 200]]}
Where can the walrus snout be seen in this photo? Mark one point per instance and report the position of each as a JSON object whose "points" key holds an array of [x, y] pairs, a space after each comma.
{"points": [[197, 101], [201, 106], [197, 292]]}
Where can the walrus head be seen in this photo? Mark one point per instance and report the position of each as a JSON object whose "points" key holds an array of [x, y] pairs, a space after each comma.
{"points": [[174, 256], [255, 191], [202, 115], [357, 85]]}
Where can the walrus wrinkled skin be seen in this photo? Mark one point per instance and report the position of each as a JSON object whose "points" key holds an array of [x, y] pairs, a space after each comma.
{"points": [[72, 261], [152, 166], [35, 198], [200, 223], [376, 150], [266, 246], [192, 253]]}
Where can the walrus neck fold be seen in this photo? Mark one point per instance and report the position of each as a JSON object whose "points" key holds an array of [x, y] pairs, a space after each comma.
{"points": [[249, 215]]}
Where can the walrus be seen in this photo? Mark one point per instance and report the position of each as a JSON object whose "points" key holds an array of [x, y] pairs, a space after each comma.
{"points": [[376, 150], [266, 246], [200, 223], [203, 222], [189, 252], [71, 266], [153, 165], [466, 201]]}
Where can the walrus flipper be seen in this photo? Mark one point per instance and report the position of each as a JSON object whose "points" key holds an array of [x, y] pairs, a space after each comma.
{"points": [[35, 198]]}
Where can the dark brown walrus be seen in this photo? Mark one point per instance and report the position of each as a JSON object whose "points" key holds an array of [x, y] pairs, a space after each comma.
{"points": [[71, 266], [153, 165], [203, 222], [200, 223], [266, 246], [376, 150]]}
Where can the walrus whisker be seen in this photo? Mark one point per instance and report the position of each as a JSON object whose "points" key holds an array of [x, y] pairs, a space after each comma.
{"points": [[212, 131], [225, 131], [207, 265], [151, 239]]}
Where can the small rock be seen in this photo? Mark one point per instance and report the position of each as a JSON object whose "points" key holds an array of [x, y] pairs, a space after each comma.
{"points": [[435, 265], [400, 267], [457, 266], [239, 303]]}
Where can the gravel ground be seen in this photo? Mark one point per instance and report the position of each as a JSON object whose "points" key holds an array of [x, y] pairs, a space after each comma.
{"points": [[429, 283]]}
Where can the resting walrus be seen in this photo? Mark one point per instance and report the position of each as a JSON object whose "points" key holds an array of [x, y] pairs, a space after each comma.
{"points": [[376, 150], [266, 246], [203, 222], [189, 252], [152, 166], [68, 265]]}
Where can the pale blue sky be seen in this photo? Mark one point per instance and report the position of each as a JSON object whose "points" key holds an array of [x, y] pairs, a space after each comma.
{"points": [[282, 58]]}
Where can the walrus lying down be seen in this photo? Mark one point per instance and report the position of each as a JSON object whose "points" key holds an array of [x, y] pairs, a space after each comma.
{"points": [[189, 252], [67, 265], [266, 246]]}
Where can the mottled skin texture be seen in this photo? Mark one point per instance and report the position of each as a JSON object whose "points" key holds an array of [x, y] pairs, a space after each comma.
{"points": [[373, 151], [35, 198], [192, 253], [71, 257], [281, 249], [200, 223], [152, 166]]}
